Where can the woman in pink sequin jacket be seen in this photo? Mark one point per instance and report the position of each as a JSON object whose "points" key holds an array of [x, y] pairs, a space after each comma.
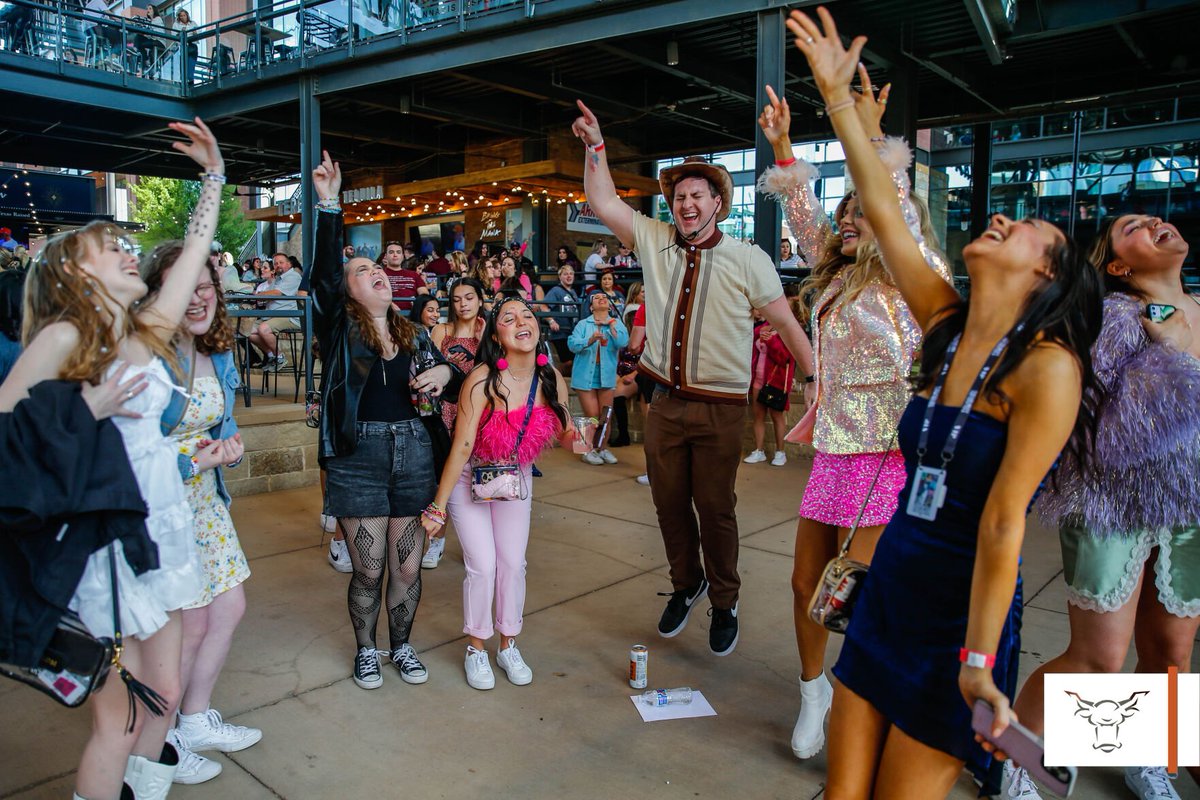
{"points": [[864, 341], [492, 426]]}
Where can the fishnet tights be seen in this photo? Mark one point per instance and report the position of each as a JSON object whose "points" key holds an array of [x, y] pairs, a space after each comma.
{"points": [[396, 543]]}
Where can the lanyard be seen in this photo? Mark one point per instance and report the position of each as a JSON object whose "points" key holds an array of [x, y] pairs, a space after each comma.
{"points": [[969, 401]]}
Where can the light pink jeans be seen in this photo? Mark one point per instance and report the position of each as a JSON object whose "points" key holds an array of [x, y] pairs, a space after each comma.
{"points": [[493, 538]]}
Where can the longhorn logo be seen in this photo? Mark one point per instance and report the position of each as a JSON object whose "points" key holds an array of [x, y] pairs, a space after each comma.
{"points": [[1106, 717]]}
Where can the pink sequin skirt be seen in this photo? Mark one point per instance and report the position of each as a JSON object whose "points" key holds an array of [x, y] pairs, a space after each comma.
{"points": [[839, 484]]}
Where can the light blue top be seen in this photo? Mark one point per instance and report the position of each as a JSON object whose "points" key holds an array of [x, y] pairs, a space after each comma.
{"points": [[583, 368], [227, 375]]}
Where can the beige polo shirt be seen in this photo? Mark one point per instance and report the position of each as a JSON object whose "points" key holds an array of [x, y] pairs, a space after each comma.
{"points": [[699, 332]]}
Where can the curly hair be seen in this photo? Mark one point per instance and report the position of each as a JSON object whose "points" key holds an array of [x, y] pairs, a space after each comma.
{"points": [[58, 289], [154, 266]]}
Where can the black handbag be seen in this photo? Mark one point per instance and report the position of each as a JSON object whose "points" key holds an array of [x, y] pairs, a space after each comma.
{"points": [[772, 398], [76, 663]]}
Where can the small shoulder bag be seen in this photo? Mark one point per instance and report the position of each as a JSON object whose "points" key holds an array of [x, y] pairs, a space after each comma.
{"points": [[504, 479], [833, 602]]}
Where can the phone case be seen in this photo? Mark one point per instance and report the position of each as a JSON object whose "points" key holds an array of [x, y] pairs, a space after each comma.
{"points": [[1025, 748], [1159, 312]]}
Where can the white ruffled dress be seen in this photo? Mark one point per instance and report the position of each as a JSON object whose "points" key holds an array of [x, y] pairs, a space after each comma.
{"points": [[145, 599]]}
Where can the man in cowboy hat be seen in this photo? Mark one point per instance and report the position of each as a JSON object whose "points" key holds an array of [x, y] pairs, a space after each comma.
{"points": [[700, 288]]}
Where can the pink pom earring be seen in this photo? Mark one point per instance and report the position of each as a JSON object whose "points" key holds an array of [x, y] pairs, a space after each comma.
{"points": [[502, 363], [542, 360]]}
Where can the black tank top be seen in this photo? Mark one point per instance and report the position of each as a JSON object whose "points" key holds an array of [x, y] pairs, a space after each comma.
{"points": [[386, 396]]}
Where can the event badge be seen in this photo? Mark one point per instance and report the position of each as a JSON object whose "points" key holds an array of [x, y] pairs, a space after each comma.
{"points": [[928, 492]]}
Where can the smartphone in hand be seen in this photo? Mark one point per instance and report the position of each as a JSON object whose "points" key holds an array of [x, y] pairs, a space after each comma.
{"points": [[1159, 312], [1025, 748]]}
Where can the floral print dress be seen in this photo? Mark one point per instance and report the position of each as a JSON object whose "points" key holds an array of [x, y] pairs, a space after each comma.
{"points": [[221, 553]]}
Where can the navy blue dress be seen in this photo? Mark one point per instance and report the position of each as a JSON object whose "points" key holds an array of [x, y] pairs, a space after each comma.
{"points": [[901, 649]]}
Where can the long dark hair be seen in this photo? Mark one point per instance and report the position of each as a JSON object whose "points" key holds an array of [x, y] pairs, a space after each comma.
{"points": [[1068, 311], [490, 352], [472, 283], [418, 308]]}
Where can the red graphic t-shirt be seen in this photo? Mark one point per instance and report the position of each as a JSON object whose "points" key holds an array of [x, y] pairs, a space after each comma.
{"points": [[405, 283]]}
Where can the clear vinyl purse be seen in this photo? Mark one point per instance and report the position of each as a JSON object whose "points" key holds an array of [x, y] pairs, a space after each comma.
{"points": [[833, 602], [504, 479]]}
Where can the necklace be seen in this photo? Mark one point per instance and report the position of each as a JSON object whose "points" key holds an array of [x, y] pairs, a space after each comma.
{"points": [[521, 377]]}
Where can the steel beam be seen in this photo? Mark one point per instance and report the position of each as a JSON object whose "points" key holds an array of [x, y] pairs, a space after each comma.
{"points": [[987, 33], [770, 50]]}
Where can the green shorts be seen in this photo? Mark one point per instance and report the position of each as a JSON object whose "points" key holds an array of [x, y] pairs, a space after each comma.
{"points": [[1101, 574]]}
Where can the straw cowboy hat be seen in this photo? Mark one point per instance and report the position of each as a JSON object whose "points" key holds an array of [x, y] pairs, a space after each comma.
{"points": [[697, 167]]}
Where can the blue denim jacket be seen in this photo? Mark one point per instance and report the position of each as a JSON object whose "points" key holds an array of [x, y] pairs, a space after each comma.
{"points": [[227, 374]]}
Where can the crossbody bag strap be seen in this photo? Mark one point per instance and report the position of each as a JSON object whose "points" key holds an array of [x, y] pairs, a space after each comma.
{"points": [[116, 602], [533, 385], [867, 499]]}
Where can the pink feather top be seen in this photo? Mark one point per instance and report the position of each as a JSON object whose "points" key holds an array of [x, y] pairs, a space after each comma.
{"points": [[498, 434]]}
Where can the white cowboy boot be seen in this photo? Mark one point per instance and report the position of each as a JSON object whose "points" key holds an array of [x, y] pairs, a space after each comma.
{"points": [[151, 780], [816, 696]]}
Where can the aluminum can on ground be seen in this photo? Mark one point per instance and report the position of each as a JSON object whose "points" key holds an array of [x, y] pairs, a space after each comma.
{"points": [[639, 655]]}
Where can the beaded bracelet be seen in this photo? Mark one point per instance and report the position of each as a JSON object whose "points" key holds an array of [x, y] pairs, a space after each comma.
{"points": [[878, 139], [332, 206], [215, 177]]}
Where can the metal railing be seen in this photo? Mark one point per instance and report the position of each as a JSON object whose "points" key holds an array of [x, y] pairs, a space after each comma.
{"points": [[243, 306]]}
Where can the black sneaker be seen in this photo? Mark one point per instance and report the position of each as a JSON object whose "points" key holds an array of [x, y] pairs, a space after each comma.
{"points": [[366, 668], [679, 608], [723, 631]]}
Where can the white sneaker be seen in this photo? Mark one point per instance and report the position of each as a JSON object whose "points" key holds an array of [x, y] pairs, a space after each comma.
{"points": [[479, 670], [411, 669], [592, 457], [339, 556], [192, 768], [207, 731], [1150, 783], [756, 457], [644, 480], [509, 659], [780, 459], [434, 554], [816, 696], [608, 457], [328, 523], [1015, 784]]}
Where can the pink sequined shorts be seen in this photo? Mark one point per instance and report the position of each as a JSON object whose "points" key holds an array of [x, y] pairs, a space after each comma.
{"points": [[838, 485]]}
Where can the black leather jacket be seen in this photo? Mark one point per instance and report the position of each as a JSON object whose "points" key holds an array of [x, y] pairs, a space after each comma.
{"points": [[346, 359]]}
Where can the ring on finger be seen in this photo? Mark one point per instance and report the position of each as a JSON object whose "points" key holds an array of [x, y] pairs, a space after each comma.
{"points": [[129, 395], [810, 40]]}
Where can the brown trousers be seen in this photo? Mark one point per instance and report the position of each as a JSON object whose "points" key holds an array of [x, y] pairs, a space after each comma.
{"points": [[693, 450]]}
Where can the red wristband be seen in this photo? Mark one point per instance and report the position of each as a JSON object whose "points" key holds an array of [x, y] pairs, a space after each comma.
{"points": [[974, 658], [787, 162], [597, 148]]}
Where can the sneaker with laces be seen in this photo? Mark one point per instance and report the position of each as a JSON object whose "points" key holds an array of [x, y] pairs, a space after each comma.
{"points": [[607, 456], [207, 731], [411, 669], [509, 659], [328, 523], [592, 457], [675, 616], [366, 668], [479, 670], [644, 480], [780, 459], [280, 363], [755, 457], [339, 556], [268, 362], [192, 768], [1015, 784], [723, 630], [434, 554], [1150, 783]]}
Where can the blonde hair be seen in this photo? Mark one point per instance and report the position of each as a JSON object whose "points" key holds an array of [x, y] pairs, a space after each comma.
{"points": [[458, 260], [58, 289], [855, 273]]}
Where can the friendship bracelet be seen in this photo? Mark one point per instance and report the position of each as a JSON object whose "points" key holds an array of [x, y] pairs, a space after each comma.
{"points": [[878, 139], [838, 106], [787, 162], [215, 177], [595, 149]]}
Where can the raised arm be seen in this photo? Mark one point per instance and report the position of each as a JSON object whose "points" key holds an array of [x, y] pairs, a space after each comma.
{"points": [[790, 182], [834, 66], [326, 274], [164, 313], [597, 180]]}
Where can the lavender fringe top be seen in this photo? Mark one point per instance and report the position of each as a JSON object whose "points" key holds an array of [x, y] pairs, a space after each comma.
{"points": [[1147, 438]]}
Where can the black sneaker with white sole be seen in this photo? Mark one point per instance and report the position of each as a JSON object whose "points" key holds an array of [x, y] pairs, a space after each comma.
{"points": [[675, 616], [411, 668], [723, 631], [366, 668]]}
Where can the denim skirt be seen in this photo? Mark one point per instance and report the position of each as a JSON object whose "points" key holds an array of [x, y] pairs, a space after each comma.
{"points": [[389, 474]]}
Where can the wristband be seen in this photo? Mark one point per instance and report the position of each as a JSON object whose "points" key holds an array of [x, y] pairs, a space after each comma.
{"points": [[878, 139], [976, 659], [215, 177], [596, 148], [195, 468], [838, 106], [787, 162], [810, 378]]}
